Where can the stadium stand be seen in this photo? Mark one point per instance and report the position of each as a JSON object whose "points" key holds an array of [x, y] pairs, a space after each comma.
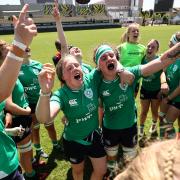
{"points": [[79, 15]]}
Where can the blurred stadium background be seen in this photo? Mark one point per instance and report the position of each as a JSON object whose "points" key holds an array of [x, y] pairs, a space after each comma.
{"points": [[96, 14]]}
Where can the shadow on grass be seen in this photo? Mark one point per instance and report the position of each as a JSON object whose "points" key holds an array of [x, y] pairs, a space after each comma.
{"points": [[87, 171], [50, 165], [60, 155]]}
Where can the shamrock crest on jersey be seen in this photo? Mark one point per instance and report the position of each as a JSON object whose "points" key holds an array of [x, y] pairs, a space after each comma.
{"points": [[175, 68], [124, 87], [36, 71], [88, 93]]}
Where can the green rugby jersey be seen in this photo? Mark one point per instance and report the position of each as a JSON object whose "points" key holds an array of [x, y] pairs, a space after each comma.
{"points": [[152, 82], [131, 54], [173, 77], [86, 68], [28, 76], [8, 152], [18, 95], [118, 102], [80, 107]]}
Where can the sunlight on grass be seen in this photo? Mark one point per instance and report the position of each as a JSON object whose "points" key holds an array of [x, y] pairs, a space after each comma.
{"points": [[43, 49]]}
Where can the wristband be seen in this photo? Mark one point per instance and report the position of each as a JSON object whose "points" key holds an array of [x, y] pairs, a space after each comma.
{"points": [[45, 94], [17, 51], [163, 82], [19, 45], [14, 57]]}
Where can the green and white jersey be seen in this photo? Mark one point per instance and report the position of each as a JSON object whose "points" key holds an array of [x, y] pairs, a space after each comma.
{"points": [[86, 68], [18, 95], [118, 102], [8, 152], [131, 54], [173, 77], [152, 82], [80, 107], [28, 76], [2, 105]]}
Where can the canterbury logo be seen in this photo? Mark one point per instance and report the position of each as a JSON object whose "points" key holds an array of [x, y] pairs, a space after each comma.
{"points": [[106, 93], [73, 102]]}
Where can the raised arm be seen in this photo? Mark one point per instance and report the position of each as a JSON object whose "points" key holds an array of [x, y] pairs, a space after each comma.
{"points": [[46, 81], [126, 76], [165, 60], [24, 31], [60, 31]]}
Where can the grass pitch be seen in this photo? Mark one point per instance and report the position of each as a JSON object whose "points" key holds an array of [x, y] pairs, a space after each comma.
{"points": [[43, 49]]}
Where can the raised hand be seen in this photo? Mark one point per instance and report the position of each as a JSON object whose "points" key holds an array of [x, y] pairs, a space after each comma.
{"points": [[56, 13], [126, 78], [46, 78], [24, 28], [164, 88], [27, 111]]}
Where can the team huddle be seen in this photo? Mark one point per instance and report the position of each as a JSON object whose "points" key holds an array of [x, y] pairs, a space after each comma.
{"points": [[100, 113]]}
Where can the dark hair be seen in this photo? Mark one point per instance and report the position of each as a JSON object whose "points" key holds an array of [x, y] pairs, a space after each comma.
{"points": [[70, 46], [58, 45], [178, 38], [157, 42], [59, 70]]}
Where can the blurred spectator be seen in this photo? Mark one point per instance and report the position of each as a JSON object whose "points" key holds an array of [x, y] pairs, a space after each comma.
{"points": [[57, 56]]}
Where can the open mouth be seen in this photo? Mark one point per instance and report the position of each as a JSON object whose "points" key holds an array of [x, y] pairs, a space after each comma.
{"points": [[110, 66], [77, 53], [149, 52], [136, 36], [77, 50], [77, 76]]}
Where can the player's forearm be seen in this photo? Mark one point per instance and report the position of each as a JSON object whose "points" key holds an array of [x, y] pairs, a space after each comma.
{"points": [[17, 110], [62, 38], [165, 60], [9, 72], [174, 94], [43, 109]]}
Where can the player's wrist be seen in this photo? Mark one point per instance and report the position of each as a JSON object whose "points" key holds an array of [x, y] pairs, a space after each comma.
{"points": [[164, 82], [19, 44], [46, 94]]}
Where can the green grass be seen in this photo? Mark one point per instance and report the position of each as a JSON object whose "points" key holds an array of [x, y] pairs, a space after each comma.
{"points": [[43, 49]]}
